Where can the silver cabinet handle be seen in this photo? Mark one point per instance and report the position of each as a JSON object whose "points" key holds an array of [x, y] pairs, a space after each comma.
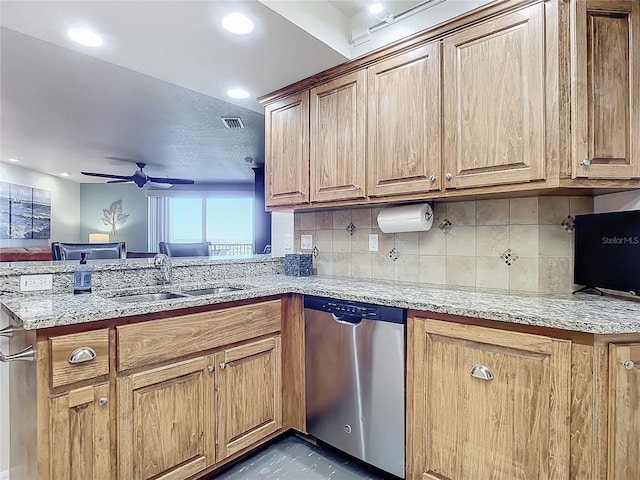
{"points": [[358, 187], [629, 364], [81, 355], [433, 178], [223, 366], [8, 331], [482, 372], [585, 163], [102, 401], [448, 176], [211, 368], [28, 354]]}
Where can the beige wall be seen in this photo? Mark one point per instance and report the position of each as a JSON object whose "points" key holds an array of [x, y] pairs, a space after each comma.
{"points": [[469, 255]]}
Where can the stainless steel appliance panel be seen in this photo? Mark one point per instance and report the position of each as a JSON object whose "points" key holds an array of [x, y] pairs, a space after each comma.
{"points": [[355, 379]]}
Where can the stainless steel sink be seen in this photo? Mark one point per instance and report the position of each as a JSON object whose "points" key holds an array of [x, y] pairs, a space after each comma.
{"points": [[212, 291], [148, 297]]}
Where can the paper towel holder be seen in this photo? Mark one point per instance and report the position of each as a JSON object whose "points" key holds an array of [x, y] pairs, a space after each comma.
{"points": [[415, 217]]}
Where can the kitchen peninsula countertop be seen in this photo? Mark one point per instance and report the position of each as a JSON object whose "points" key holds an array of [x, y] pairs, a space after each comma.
{"points": [[580, 313]]}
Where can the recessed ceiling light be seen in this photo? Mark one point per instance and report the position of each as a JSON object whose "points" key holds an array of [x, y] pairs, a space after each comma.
{"points": [[237, 23], [376, 8], [64, 174], [85, 37], [237, 93], [13, 160]]}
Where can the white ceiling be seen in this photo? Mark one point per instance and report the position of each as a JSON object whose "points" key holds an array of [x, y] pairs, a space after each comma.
{"points": [[155, 91]]}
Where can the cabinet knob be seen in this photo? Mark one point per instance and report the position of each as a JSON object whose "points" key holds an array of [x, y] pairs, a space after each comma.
{"points": [[433, 178], [448, 176], [223, 366], [8, 331], [82, 355], [482, 372], [102, 401], [629, 364], [211, 368], [28, 354], [358, 187], [586, 162]]}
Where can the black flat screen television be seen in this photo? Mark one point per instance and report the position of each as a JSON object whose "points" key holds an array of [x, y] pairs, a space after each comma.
{"points": [[607, 251]]}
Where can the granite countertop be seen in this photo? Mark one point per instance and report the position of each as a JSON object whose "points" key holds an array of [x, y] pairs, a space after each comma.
{"points": [[581, 313]]}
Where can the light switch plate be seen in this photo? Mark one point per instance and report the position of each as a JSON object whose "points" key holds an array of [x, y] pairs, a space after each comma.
{"points": [[31, 283], [306, 242], [373, 242], [288, 243]]}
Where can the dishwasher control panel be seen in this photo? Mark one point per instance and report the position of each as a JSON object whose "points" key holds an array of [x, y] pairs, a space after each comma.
{"points": [[355, 309]]}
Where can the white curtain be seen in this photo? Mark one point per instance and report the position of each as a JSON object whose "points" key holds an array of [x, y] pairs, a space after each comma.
{"points": [[158, 222]]}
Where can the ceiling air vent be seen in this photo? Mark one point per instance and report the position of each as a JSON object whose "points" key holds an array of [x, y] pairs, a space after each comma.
{"points": [[232, 122]]}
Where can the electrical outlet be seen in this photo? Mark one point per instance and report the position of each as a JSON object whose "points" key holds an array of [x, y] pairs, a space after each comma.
{"points": [[373, 242], [30, 283], [306, 242]]}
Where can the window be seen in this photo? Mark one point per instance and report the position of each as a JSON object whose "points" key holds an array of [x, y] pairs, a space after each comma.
{"points": [[226, 222]]}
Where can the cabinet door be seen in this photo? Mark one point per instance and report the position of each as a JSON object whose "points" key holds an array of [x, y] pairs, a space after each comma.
{"points": [[338, 122], [494, 101], [624, 412], [287, 150], [486, 403], [404, 123], [249, 395], [166, 421], [80, 439], [606, 89]]}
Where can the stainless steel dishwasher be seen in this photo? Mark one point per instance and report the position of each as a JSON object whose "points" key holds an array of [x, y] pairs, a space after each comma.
{"points": [[355, 379]]}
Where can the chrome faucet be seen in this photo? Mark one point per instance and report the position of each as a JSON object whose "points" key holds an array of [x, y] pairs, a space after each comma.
{"points": [[163, 263]]}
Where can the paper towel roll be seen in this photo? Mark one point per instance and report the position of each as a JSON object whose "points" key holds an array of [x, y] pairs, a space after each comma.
{"points": [[408, 218]]}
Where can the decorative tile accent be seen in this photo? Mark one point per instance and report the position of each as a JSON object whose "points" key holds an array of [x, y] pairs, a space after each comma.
{"points": [[509, 257], [445, 226], [394, 254], [569, 223], [315, 252], [351, 228]]}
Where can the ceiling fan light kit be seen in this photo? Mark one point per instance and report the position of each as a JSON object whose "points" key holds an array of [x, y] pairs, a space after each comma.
{"points": [[139, 178]]}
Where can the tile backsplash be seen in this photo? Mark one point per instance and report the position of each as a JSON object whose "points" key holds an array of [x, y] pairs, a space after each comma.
{"points": [[518, 244]]}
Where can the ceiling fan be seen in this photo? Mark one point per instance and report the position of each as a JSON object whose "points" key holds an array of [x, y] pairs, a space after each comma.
{"points": [[139, 177]]}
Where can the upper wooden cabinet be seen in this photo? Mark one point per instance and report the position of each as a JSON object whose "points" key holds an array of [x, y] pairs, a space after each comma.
{"points": [[404, 123], [287, 151], [338, 122], [606, 88], [485, 403], [494, 101], [624, 411]]}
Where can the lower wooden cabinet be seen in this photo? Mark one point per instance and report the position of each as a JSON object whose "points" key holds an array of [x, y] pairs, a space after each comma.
{"points": [[486, 404], [170, 418], [79, 434], [624, 411], [166, 421], [249, 395]]}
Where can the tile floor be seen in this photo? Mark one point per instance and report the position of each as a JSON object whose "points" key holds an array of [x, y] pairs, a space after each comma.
{"points": [[292, 458]]}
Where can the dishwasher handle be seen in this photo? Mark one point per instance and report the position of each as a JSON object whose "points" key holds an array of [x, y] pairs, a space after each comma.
{"points": [[347, 319]]}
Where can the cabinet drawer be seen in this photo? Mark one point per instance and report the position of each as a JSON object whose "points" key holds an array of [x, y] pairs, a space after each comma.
{"points": [[79, 356], [160, 340]]}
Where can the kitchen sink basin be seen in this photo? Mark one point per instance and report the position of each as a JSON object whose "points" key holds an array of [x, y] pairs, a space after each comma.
{"points": [[148, 297], [212, 291]]}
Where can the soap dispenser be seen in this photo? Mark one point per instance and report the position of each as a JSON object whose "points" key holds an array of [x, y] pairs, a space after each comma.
{"points": [[82, 276]]}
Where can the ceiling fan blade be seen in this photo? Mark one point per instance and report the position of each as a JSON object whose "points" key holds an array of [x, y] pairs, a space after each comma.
{"points": [[106, 175], [176, 181], [118, 181]]}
